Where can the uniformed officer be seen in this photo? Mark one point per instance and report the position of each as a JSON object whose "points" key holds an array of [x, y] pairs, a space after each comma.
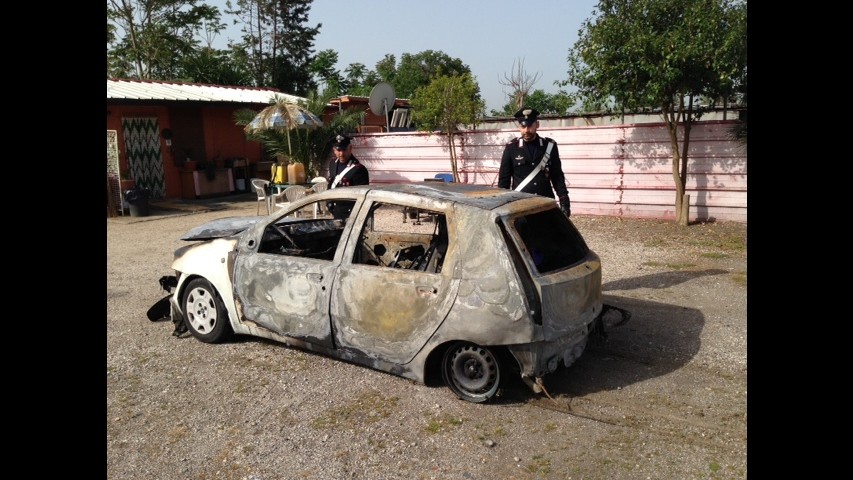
{"points": [[345, 170], [524, 162]]}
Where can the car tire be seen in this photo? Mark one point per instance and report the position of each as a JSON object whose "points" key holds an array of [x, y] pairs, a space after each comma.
{"points": [[472, 372], [205, 313]]}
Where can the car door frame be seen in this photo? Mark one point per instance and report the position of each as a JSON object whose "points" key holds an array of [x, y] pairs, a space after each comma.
{"points": [[288, 295], [388, 313]]}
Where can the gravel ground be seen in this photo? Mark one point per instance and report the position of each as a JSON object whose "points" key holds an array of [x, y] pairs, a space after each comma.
{"points": [[662, 397]]}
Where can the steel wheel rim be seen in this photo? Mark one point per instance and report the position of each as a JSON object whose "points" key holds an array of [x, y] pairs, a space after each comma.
{"points": [[474, 371], [201, 310]]}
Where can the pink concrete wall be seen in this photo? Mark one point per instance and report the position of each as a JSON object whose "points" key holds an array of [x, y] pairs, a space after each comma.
{"points": [[614, 170]]}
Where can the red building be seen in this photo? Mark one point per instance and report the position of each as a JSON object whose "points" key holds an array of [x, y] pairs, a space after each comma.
{"points": [[159, 132]]}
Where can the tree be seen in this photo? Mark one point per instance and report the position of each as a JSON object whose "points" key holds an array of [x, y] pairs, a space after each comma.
{"points": [[360, 80], [318, 143], [662, 54], [420, 69], [413, 72], [149, 39], [255, 16], [519, 83], [217, 67], [291, 72], [387, 68], [310, 147], [520, 95], [553, 103], [278, 42], [323, 67], [444, 104]]}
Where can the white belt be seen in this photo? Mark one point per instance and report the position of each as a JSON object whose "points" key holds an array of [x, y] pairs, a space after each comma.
{"points": [[538, 168], [341, 175]]}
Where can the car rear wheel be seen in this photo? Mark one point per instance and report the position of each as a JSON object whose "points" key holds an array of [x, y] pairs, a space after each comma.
{"points": [[472, 372], [204, 312]]}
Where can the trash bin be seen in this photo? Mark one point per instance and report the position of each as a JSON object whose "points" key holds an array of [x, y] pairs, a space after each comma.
{"points": [[137, 201]]}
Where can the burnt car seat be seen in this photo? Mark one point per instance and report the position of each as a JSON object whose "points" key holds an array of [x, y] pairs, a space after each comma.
{"points": [[434, 256]]}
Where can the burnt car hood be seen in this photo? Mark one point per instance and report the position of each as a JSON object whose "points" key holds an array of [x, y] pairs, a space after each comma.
{"points": [[224, 227]]}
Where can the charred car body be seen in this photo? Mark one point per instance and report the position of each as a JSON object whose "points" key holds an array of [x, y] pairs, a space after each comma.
{"points": [[476, 282]]}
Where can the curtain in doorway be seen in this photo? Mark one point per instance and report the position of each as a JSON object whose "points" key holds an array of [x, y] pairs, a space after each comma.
{"points": [[144, 156]]}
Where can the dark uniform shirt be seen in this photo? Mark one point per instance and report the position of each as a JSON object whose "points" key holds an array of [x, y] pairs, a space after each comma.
{"points": [[520, 158], [357, 175]]}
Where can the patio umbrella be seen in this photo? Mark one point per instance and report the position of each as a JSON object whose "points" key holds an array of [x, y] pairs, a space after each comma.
{"points": [[284, 116]]}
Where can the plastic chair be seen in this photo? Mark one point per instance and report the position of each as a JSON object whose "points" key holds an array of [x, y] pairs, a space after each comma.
{"points": [[260, 187], [288, 196], [447, 177], [321, 186]]}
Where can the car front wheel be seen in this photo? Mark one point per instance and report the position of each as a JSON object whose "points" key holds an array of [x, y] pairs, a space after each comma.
{"points": [[472, 372], [204, 312]]}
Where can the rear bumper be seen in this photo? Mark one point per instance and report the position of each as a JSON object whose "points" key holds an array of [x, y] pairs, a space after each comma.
{"points": [[541, 358], [538, 359]]}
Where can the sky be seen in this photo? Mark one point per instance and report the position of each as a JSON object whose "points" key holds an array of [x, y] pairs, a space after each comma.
{"points": [[486, 35]]}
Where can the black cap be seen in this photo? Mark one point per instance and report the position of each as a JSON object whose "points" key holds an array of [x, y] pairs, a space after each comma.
{"points": [[341, 142], [527, 116]]}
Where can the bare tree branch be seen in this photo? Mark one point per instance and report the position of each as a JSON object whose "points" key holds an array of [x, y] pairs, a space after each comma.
{"points": [[519, 83]]}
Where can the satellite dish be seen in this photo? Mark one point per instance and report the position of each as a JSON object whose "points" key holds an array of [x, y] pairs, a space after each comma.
{"points": [[382, 99]]}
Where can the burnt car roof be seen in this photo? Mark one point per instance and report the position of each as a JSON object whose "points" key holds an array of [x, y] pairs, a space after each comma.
{"points": [[479, 196]]}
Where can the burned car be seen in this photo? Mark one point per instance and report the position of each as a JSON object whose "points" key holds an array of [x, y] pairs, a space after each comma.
{"points": [[475, 283]]}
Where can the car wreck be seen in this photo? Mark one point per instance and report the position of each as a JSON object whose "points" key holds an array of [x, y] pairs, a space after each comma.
{"points": [[475, 283]]}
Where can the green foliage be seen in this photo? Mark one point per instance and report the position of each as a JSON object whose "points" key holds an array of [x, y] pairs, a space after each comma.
{"points": [[318, 143], [149, 39], [170, 40], [359, 80], [310, 147], [661, 54], [547, 103], [413, 72], [444, 104], [419, 70], [386, 68], [653, 53], [738, 131], [277, 42], [323, 67], [216, 67]]}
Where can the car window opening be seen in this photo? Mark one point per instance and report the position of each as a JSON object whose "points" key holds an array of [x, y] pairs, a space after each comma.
{"points": [[315, 238], [389, 240], [551, 240]]}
